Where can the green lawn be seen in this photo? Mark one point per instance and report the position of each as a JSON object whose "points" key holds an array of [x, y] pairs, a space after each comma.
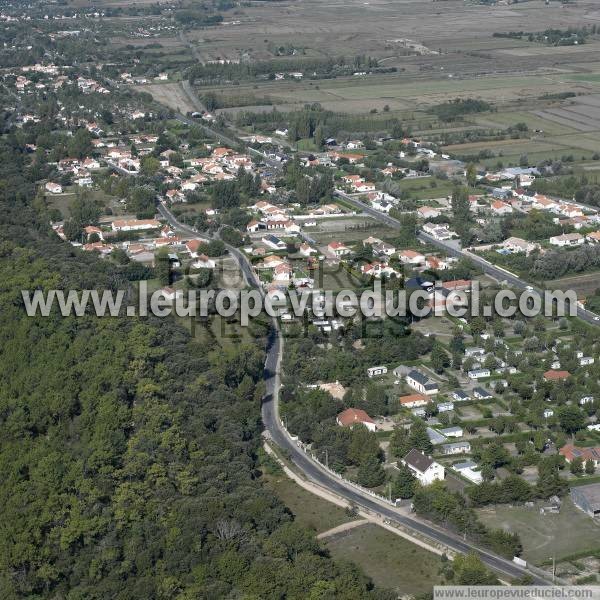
{"points": [[390, 560]]}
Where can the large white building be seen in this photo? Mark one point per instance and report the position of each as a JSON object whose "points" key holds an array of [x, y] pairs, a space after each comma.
{"points": [[420, 382]]}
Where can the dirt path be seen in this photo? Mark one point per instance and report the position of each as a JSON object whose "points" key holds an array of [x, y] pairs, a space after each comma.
{"points": [[341, 528]]}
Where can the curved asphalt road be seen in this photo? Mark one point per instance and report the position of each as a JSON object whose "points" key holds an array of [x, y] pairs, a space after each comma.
{"points": [[311, 469]]}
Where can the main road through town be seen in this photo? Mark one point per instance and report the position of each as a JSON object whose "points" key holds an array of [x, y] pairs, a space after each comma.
{"points": [[314, 471]]}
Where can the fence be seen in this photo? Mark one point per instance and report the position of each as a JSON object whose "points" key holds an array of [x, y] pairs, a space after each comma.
{"points": [[353, 484]]}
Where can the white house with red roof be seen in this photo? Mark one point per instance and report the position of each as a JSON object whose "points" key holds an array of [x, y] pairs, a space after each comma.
{"points": [[338, 249], [501, 208], [355, 416], [193, 246], [411, 257]]}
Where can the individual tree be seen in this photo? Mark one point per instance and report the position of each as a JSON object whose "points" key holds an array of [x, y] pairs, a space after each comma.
{"points": [[399, 442], [549, 482], [470, 570], [303, 190], [225, 194], [72, 230], [370, 472], [142, 202], [149, 166], [590, 468], [571, 418], [471, 174], [461, 213], [319, 137], [84, 210], [80, 144], [403, 485], [439, 357], [418, 437], [576, 466], [163, 267]]}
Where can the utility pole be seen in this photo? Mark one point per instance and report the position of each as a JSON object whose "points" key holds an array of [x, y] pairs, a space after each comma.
{"points": [[327, 458]]}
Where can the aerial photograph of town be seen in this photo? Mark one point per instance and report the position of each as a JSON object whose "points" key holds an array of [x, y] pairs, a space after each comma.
{"points": [[299, 299]]}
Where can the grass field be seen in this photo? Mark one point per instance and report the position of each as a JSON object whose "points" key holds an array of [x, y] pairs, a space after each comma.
{"points": [[391, 561], [309, 510], [542, 536], [63, 201], [400, 92]]}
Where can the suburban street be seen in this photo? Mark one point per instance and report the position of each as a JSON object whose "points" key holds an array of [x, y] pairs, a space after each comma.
{"points": [[451, 248]]}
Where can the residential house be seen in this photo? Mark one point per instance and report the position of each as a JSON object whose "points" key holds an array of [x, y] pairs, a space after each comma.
{"points": [[306, 250], [478, 373], [473, 351], [355, 416], [423, 467], [413, 400], [91, 230], [541, 202], [460, 396], [457, 285], [54, 188], [456, 448], [567, 239], [553, 375], [454, 432], [435, 437], [468, 470], [420, 382], [570, 452], [204, 262], [428, 212], [170, 294], [375, 371], [438, 231], [282, 272], [515, 244], [482, 394], [383, 249], [134, 224], [501, 208], [338, 249], [273, 242], [410, 257]]}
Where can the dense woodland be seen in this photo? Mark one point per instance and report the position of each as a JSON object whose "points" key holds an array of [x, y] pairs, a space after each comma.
{"points": [[128, 453]]}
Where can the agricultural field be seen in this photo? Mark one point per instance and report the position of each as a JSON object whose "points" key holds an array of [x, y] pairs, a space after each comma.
{"points": [[169, 94], [409, 34]]}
